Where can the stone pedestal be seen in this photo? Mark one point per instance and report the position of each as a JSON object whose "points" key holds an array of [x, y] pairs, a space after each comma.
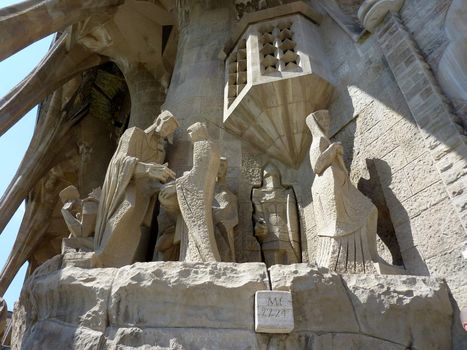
{"points": [[176, 305]]}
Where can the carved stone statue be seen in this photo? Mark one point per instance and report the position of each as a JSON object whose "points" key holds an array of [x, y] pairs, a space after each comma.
{"points": [[225, 217], [225, 213], [346, 220], [80, 218], [195, 192], [79, 214], [130, 189], [276, 220]]}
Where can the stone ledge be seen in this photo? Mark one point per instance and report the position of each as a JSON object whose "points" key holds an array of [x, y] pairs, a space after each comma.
{"points": [[211, 305]]}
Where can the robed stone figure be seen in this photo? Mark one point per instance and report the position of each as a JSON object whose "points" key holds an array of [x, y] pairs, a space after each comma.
{"points": [[129, 192], [346, 220], [195, 192]]}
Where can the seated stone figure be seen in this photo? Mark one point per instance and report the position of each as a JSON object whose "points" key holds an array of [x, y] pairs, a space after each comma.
{"points": [[276, 220], [195, 192], [346, 220], [79, 214], [130, 189], [80, 217]]}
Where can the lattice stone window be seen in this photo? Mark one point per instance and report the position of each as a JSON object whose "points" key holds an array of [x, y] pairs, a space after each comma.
{"points": [[278, 51], [237, 70]]}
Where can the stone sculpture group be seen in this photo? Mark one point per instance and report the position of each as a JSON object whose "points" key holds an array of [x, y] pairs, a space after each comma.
{"points": [[198, 213]]}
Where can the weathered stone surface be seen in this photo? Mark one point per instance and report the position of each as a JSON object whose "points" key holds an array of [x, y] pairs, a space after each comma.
{"points": [[50, 334], [178, 305], [71, 295], [186, 295], [192, 338], [373, 86], [319, 298], [3, 317], [397, 311], [402, 309]]}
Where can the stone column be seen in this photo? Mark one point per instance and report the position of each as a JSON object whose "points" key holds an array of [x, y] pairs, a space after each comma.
{"points": [[146, 92], [197, 85]]}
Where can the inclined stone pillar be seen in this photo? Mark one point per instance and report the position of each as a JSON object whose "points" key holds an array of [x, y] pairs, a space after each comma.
{"points": [[146, 92], [197, 86]]}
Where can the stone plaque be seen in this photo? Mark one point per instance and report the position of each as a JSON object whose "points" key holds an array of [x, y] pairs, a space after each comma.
{"points": [[273, 312]]}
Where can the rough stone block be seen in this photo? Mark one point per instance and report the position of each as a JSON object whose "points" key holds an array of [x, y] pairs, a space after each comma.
{"points": [[55, 335], [186, 294], [402, 309], [72, 295], [192, 338], [319, 298]]}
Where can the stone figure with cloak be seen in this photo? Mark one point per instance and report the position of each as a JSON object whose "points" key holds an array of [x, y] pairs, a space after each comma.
{"points": [[224, 215], [132, 182], [195, 192], [346, 220]]}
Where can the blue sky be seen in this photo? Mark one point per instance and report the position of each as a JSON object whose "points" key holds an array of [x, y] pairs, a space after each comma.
{"points": [[14, 143]]}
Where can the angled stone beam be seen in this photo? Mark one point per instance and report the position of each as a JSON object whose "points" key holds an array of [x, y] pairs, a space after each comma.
{"points": [[59, 66], [26, 241], [46, 144], [29, 21], [34, 226]]}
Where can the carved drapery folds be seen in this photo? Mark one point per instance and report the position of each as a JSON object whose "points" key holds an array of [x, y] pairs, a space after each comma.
{"points": [[129, 193], [346, 220]]}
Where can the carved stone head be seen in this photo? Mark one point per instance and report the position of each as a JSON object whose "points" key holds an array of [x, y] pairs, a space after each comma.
{"points": [[271, 176], [164, 125], [198, 132], [319, 121]]}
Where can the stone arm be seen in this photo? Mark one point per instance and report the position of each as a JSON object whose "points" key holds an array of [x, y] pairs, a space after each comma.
{"points": [[261, 227], [159, 172], [225, 212], [73, 224], [327, 157]]}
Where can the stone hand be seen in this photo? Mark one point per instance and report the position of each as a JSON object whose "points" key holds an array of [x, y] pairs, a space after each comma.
{"points": [[168, 191], [161, 172]]}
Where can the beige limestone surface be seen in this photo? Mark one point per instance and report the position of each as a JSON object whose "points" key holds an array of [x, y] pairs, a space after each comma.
{"points": [[211, 305]]}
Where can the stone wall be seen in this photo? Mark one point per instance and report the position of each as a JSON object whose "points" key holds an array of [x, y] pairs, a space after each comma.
{"points": [[387, 151], [176, 305]]}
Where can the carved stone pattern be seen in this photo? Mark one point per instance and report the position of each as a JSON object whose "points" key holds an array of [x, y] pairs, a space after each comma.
{"points": [[278, 48], [237, 74]]}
